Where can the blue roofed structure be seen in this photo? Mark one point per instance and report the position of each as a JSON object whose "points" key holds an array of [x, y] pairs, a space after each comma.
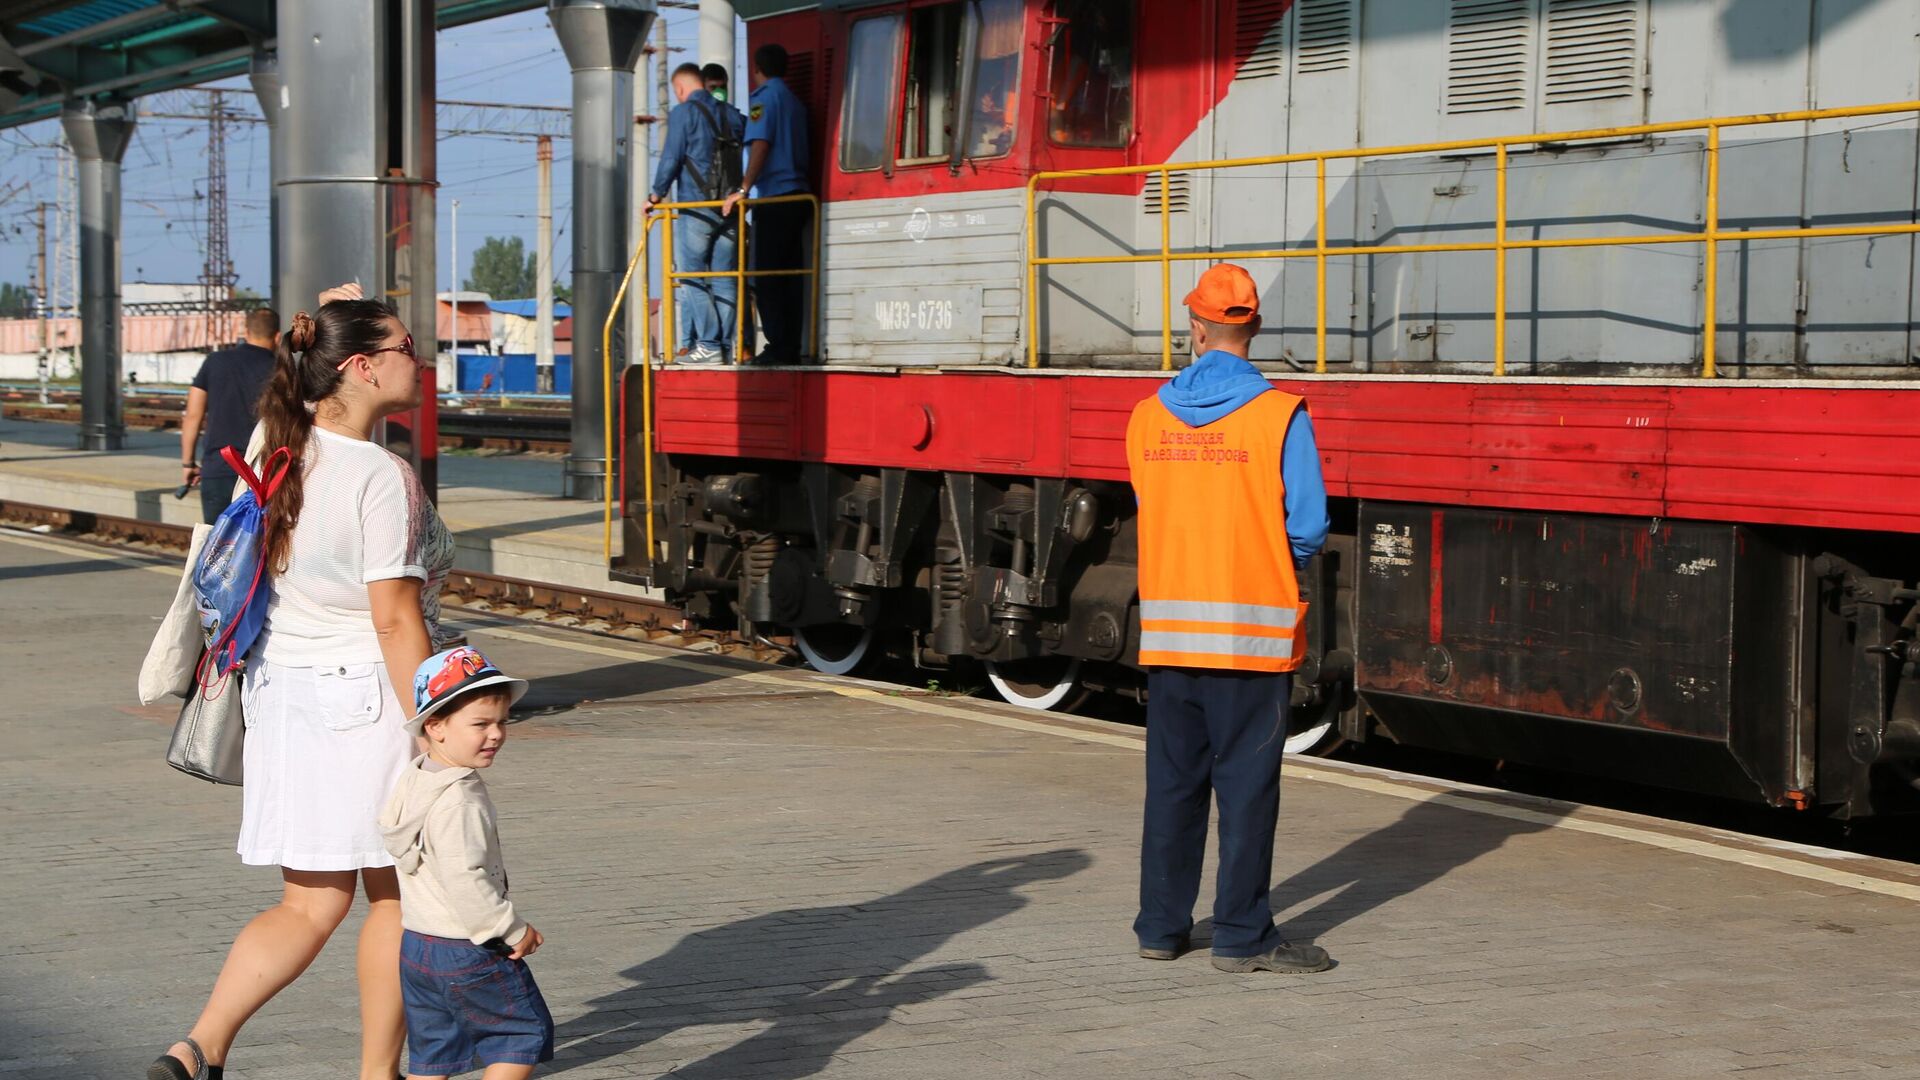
{"points": [[51, 50], [528, 309]]}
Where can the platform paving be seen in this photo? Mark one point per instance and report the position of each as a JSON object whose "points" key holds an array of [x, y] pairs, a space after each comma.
{"points": [[745, 872], [505, 510]]}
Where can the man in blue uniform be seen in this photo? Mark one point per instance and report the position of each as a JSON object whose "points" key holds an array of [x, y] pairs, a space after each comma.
{"points": [[700, 163], [781, 235]]}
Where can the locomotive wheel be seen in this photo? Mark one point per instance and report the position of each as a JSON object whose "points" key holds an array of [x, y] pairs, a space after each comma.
{"points": [[1040, 683], [1311, 732], [834, 650]]}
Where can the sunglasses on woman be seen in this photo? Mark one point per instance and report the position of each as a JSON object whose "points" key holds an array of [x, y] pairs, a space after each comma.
{"points": [[405, 348]]}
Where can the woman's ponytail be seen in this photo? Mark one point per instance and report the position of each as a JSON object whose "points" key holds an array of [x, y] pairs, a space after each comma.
{"points": [[306, 369], [289, 423]]}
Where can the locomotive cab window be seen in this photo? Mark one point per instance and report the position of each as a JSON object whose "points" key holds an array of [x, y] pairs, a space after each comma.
{"points": [[930, 107], [1090, 79], [996, 86], [940, 83], [873, 62]]}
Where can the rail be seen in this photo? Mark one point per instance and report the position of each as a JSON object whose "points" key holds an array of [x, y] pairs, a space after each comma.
{"points": [[1709, 235], [663, 214]]}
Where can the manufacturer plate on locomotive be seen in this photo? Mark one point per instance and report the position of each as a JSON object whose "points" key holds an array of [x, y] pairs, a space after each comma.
{"points": [[939, 313]]}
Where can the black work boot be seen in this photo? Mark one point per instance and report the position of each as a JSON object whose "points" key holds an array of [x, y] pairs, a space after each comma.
{"points": [[1164, 952], [1284, 957]]}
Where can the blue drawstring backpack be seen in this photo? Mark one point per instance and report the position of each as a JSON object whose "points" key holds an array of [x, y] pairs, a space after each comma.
{"points": [[227, 583]]}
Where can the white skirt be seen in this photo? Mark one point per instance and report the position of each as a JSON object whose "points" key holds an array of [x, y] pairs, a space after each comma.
{"points": [[324, 747]]}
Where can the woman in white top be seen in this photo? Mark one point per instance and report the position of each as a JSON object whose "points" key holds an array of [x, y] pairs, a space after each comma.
{"points": [[358, 556]]}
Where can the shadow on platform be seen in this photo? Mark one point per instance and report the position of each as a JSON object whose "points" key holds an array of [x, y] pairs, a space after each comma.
{"points": [[1428, 842], [553, 695], [821, 977], [59, 569]]}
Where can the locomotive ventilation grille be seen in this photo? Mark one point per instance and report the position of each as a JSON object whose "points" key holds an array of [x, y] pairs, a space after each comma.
{"points": [[1179, 193], [1589, 50]]}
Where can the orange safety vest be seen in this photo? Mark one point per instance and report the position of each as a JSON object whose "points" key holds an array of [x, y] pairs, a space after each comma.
{"points": [[1217, 588]]}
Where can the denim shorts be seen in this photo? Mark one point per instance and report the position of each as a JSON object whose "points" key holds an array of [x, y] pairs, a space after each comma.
{"points": [[464, 1001]]}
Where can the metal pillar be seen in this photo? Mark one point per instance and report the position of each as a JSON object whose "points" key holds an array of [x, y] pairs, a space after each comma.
{"points": [[99, 132], [264, 72], [716, 45], [602, 40], [543, 271], [357, 187]]}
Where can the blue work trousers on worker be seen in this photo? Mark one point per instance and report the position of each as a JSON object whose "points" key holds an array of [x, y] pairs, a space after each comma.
{"points": [[1212, 733], [702, 243]]}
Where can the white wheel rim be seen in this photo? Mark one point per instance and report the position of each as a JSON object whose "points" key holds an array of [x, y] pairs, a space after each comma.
{"points": [[834, 665], [1307, 738], [1013, 695]]}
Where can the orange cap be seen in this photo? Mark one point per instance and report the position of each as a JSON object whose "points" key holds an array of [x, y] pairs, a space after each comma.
{"points": [[1225, 294]]}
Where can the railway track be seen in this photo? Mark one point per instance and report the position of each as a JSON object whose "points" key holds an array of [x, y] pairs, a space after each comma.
{"points": [[630, 617], [655, 622], [534, 431]]}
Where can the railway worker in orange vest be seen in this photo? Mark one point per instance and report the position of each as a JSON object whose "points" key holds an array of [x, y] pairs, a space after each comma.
{"points": [[1231, 503]]}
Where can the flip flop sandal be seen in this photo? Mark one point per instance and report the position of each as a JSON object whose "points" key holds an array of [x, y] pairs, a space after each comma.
{"points": [[168, 1067]]}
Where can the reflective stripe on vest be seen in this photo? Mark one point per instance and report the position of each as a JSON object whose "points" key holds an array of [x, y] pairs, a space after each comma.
{"points": [[1222, 645], [1217, 611]]}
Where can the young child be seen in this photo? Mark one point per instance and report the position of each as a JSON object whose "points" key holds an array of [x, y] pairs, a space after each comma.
{"points": [[467, 988]]}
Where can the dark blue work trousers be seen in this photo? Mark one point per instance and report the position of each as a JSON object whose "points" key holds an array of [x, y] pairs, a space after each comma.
{"points": [[1211, 734]]}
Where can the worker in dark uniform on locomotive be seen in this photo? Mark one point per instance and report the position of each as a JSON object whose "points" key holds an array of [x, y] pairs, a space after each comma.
{"points": [[777, 165], [1219, 452]]}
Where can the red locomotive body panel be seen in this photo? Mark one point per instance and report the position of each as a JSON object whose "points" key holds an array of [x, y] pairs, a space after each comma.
{"points": [[1782, 454]]}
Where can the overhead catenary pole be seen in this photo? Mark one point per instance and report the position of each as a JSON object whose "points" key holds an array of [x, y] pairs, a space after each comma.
{"points": [[602, 40], [453, 284], [216, 277], [543, 272], [44, 361], [99, 131], [663, 81]]}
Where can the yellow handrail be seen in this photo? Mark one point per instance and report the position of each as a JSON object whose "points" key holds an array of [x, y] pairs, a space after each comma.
{"points": [[1710, 235], [665, 212]]}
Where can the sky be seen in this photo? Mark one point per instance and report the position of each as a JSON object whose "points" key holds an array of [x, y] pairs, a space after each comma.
{"points": [[515, 59]]}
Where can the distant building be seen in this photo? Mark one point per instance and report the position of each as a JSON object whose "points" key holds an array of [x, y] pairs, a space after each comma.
{"points": [[472, 329], [517, 326]]}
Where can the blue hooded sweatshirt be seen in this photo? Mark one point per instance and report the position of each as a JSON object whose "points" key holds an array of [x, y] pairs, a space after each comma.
{"points": [[1216, 384]]}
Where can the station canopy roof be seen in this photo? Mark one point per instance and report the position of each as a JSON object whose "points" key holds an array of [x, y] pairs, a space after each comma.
{"points": [[51, 50]]}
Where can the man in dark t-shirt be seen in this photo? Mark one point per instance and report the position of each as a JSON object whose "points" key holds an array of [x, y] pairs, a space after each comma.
{"points": [[224, 397]]}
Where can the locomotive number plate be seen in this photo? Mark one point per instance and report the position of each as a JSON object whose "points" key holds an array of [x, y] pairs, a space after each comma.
{"points": [[943, 313]]}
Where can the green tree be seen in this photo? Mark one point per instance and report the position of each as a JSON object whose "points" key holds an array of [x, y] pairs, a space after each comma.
{"points": [[502, 269], [562, 292], [16, 301]]}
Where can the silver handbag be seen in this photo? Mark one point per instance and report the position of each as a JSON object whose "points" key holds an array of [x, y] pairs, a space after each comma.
{"points": [[209, 737]]}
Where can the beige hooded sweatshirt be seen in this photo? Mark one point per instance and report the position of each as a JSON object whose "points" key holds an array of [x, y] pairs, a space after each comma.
{"points": [[439, 827]]}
